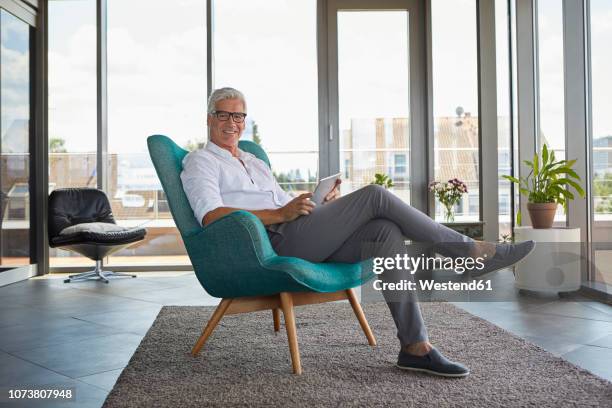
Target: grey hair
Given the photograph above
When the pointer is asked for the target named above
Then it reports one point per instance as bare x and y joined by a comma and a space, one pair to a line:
224, 93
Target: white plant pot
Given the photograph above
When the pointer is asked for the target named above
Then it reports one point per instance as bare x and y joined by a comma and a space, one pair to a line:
554, 265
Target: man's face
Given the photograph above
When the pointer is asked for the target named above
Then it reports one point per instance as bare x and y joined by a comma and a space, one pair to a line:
226, 133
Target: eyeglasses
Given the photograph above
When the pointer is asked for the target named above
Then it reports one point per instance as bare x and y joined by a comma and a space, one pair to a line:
237, 117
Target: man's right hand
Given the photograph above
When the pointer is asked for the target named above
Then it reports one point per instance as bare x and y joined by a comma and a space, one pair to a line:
301, 205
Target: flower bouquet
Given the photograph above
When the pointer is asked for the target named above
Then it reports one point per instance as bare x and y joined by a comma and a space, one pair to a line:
448, 194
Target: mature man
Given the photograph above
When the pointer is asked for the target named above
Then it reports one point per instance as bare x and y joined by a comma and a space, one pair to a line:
221, 178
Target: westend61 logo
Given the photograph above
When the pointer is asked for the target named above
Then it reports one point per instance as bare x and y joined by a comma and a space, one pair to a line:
422, 262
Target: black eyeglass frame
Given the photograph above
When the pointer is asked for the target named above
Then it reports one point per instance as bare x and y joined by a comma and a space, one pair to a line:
232, 115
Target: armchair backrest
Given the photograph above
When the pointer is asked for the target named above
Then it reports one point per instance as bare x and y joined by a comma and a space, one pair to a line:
70, 206
167, 159
255, 150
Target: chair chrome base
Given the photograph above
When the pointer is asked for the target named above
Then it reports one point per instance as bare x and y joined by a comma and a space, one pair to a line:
97, 274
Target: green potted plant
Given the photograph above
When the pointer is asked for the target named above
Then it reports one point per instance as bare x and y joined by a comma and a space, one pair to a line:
546, 186
382, 179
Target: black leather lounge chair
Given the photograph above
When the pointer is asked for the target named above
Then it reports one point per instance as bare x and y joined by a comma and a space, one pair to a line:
81, 220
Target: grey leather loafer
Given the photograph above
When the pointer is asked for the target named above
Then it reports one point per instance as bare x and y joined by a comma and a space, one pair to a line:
432, 363
506, 255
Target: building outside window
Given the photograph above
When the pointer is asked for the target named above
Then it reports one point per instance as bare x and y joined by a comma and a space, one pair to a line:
399, 169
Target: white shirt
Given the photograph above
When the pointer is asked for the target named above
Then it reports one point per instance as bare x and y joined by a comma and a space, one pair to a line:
213, 178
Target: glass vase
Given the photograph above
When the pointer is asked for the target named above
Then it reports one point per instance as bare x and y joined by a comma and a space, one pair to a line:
449, 213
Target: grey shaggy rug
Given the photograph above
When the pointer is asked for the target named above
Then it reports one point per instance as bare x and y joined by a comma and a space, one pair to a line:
244, 363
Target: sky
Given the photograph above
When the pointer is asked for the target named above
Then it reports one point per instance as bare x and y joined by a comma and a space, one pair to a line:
455, 80
72, 74
14, 70
267, 48
373, 66
550, 49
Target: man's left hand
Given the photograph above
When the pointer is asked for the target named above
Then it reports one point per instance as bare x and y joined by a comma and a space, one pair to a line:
334, 193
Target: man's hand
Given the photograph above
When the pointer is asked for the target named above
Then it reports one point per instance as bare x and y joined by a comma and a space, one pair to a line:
334, 193
301, 205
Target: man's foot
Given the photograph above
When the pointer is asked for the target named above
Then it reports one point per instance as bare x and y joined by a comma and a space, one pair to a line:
506, 255
432, 363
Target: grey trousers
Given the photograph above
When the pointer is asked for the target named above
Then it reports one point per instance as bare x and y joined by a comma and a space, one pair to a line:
339, 231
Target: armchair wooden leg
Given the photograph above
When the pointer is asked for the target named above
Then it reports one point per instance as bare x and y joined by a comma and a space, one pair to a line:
210, 326
287, 304
276, 317
360, 316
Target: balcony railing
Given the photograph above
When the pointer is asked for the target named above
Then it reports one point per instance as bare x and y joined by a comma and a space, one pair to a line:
138, 200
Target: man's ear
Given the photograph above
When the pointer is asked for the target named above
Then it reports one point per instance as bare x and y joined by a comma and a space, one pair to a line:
208, 119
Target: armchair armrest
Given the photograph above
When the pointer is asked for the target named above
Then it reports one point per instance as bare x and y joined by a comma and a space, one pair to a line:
233, 257
229, 257
237, 229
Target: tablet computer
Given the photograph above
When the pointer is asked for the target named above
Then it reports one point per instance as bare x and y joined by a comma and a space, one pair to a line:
324, 187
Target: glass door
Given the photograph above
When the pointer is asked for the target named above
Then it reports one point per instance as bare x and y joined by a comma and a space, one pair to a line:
15, 128
376, 57
600, 35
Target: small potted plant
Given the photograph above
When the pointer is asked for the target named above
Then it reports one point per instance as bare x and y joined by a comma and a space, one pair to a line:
382, 180
448, 194
546, 186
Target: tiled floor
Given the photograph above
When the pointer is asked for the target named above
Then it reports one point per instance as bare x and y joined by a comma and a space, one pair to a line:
81, 335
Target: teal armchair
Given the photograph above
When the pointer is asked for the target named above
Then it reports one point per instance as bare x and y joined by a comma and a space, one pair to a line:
234, 260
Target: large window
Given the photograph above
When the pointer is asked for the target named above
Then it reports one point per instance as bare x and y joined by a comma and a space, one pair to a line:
156, 85
373, 97
550, 81
455, 99
516, 163
601, 103
267, 49
504, 124
14, 141
72, 104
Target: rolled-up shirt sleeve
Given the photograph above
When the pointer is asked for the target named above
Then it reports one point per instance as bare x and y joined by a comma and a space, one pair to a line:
200, 179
